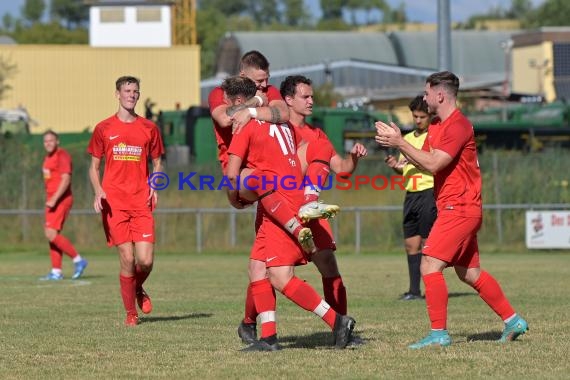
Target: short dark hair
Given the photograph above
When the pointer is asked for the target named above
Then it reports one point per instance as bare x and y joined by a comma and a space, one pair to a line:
126, 79
239, 86
418, 104
51, 132
446, 79
289, 85
253, 60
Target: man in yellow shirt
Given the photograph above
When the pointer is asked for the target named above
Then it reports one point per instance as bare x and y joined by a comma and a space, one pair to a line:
419, 205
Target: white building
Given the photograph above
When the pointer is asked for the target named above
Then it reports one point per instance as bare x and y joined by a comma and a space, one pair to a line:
130, 23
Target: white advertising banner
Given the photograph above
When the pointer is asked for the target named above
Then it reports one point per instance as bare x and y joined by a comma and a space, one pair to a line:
548, 229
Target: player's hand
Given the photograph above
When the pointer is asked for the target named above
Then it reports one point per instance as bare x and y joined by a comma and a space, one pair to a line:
391, 161
387, 135
50, 203
234, 199
358, 150
97, 203
239, 120
152, 199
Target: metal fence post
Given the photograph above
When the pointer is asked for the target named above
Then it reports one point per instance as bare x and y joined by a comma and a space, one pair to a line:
357, 230
232, 228
199, 231
496, 188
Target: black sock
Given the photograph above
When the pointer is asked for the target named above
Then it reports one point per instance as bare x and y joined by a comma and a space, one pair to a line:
414, 262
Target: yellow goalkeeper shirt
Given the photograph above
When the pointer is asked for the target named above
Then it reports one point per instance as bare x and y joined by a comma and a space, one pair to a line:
423, 180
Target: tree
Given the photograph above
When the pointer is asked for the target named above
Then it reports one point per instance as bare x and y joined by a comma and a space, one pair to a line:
295, 13
234, 7
53, 33
73, 12
550, 13
7, 71
33, 10
332, 9
8, 22
519, 9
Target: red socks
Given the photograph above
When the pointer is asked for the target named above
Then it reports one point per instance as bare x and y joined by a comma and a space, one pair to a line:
306, 297
335, 294
436, 299
64, 245
56, 256
263, 295
250, 310
128, 289
490, 291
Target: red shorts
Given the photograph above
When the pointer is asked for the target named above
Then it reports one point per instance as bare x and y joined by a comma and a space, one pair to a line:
274, 246
453, 239
322, 234
55, 217
122, 226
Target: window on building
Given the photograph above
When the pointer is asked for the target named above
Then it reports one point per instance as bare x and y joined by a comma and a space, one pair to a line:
114, 14
148, 14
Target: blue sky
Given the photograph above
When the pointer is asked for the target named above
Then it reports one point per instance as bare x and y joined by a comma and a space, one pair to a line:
417, 10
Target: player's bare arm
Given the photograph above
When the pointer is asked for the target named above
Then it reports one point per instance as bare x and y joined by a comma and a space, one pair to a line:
153, 196
256, 101
276, 112
61, 188
390, 136
96, 183
233, 170
348, 164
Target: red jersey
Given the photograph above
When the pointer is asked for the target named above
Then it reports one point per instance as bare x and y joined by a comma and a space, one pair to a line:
310, 134
457, 187
56, 164
126, 148
224, 135
272, 149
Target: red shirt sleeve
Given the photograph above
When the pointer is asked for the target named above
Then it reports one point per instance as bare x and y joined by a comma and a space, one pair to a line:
454, 139
216, 98
273, 94
96, 146
156, 145
240, 142
64, 162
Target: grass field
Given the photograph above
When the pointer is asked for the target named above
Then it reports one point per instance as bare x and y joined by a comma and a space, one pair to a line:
73, 329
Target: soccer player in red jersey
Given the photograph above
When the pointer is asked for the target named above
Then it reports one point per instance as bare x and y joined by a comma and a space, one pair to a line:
297, 91
228, 118
124, 198
266, 105
318, 155
450, 153
272, 149
59, 200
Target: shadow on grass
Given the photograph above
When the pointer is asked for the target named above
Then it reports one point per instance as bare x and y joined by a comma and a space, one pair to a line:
485, 336
461, 294
316, 340
175, 317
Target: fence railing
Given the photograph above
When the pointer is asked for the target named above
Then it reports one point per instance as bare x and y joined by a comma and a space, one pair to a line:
352, 227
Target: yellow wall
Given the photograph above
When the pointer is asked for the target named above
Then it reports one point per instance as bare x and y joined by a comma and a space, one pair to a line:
527, 79
71, 88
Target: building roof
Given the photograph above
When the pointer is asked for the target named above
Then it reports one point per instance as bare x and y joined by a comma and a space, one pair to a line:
472, 52
292, 49
6, 40
372, 64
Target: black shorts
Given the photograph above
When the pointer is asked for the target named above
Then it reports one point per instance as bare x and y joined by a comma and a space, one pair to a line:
419, 213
